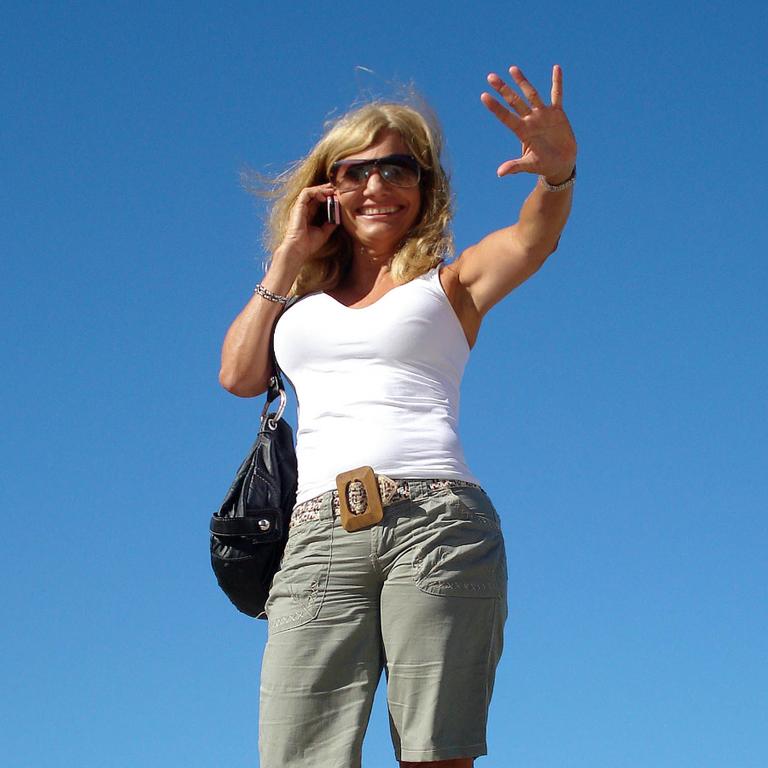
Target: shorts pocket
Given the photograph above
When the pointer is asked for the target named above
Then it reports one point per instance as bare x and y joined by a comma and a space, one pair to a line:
299, 587
461, 550
475, 502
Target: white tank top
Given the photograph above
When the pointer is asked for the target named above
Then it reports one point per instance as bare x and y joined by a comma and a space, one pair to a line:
376, 386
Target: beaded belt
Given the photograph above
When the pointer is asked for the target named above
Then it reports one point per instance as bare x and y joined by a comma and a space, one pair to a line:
391, 491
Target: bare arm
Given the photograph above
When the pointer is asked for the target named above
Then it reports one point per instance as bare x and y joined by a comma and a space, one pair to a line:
504, 259
245, 362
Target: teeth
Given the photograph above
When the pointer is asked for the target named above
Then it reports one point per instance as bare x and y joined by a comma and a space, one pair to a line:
370, 211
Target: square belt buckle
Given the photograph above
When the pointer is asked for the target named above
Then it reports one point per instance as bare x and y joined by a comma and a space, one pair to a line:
373, 511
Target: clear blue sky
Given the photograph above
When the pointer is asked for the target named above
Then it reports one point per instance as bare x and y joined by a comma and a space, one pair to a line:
614, 407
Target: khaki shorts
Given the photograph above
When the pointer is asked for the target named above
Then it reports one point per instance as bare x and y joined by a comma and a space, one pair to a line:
421, 595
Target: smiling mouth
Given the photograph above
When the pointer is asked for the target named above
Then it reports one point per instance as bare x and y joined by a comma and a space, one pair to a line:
379, 210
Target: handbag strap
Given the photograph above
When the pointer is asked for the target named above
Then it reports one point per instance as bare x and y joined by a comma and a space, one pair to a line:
276, 383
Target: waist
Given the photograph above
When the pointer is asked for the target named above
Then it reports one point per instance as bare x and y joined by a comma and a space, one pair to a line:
392, 491
394, 449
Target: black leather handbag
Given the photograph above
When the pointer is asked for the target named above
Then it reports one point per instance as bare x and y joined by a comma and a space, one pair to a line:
249, 531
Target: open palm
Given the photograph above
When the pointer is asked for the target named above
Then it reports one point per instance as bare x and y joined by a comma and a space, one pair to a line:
548, 143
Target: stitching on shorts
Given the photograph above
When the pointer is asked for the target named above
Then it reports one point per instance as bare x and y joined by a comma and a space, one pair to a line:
276, 623
474, 586
473, 514
418, 562
304, 609
444, 747
312, 598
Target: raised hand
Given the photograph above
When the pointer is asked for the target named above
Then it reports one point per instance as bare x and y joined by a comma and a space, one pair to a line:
548, 143
304, 236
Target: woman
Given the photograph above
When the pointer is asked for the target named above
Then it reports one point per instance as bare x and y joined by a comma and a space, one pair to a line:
406, 571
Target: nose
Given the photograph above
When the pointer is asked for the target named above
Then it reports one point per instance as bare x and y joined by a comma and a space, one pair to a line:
374, 182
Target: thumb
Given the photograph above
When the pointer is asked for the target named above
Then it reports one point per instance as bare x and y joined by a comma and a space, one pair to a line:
513, 166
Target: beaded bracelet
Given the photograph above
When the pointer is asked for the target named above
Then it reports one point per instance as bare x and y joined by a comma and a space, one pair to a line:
569, 182
269, 296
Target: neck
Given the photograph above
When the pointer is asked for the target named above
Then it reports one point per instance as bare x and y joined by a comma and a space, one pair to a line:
368, 267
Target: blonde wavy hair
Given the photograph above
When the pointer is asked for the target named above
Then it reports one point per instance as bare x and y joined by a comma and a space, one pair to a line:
427, 244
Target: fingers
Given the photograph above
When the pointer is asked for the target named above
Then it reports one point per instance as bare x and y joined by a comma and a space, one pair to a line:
308, 203
557, 86
319, 194
311, 197
538, 125
530, 92
512, 122
514, 101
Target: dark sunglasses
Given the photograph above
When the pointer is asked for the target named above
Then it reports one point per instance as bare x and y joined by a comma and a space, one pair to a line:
398, 170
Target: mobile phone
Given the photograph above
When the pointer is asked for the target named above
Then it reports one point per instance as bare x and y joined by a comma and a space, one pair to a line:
333, 211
